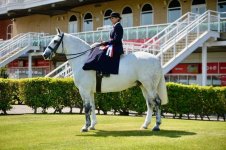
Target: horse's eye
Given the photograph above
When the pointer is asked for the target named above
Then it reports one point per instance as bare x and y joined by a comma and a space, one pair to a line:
55, 41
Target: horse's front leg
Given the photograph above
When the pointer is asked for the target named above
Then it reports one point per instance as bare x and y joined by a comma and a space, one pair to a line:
87, 108
86, 97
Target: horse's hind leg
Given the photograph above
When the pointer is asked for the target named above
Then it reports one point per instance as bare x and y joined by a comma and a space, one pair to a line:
93, 114
157, 102
149, 108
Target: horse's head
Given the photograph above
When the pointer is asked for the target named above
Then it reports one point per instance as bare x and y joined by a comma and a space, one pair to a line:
53, 45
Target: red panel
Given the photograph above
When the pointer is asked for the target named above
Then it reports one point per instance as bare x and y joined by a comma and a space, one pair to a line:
186, 68
13, 63
26, 63
222, 67
42, 63
212, 68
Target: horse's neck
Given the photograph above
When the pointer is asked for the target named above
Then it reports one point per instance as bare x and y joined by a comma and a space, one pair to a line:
75, 45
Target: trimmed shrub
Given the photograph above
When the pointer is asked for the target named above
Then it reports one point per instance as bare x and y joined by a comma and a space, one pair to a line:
8, 88
60, 93
35, 93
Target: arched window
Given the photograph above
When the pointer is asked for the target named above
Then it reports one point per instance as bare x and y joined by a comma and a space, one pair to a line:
174, 10
222, 7
73, 24
198, 6
127, 17
88, 22
147, 15
73, 18
107, 20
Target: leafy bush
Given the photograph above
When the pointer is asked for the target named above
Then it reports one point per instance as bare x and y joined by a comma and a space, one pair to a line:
60, 93
8, 88
35, 93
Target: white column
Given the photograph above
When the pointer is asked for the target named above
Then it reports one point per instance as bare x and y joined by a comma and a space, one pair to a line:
204, 64
29, 65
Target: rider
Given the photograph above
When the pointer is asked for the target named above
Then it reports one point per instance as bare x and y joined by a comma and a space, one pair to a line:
106, 61
116, 35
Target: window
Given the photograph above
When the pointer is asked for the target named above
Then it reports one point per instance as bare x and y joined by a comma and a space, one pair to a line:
107, 20
216, 80
222, 7
192, 79
127, 17
88, 22
198, 6
174, 11
146, 15
183, 79
72, 25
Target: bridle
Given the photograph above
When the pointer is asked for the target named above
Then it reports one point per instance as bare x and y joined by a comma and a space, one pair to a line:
54, 49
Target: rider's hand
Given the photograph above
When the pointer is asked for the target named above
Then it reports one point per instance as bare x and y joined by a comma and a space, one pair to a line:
103, 43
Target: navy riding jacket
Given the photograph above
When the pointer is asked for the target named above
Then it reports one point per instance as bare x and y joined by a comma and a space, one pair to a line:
116, 36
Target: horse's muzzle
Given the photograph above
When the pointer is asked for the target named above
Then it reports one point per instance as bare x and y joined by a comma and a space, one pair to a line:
46, 54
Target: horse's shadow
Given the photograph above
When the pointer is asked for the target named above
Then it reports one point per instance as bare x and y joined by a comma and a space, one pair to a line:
163, 133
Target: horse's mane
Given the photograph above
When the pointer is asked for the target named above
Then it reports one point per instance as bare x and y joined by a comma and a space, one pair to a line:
77, 38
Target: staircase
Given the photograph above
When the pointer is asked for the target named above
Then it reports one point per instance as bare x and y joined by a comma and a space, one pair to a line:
61, 71
179, 46
175, 42
19, 45
154, 44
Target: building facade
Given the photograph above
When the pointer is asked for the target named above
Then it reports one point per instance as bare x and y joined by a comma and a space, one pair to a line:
84, 16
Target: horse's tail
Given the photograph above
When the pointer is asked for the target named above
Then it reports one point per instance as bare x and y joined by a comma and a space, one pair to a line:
162, 92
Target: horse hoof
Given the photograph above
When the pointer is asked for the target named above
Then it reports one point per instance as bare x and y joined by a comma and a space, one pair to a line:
143, 128
84, 130
156, 129
92, 128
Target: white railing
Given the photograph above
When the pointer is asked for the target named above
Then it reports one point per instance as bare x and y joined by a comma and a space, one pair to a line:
19, 45
163, 36
139, 32
173, 28
5, 42
23, 72
28, 39
64, 70
209, 21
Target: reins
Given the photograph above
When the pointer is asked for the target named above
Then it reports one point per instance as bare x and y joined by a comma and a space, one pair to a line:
61, 41
77, 54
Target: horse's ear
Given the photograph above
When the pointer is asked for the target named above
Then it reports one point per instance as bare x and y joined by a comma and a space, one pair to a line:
58, 30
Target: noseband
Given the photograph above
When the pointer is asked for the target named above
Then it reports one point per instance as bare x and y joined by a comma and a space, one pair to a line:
61, 41
57, 44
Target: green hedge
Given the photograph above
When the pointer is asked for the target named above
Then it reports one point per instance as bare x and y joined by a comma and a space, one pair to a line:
8, 88
197, 100
47, 92
59, 93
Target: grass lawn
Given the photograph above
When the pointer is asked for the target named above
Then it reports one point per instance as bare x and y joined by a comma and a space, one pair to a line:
112, 133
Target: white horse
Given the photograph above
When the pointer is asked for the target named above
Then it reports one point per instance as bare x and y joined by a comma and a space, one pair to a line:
137, 67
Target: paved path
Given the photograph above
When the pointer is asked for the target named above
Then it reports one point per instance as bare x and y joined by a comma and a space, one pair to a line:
24, 109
